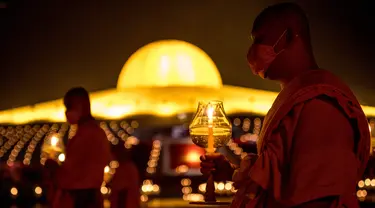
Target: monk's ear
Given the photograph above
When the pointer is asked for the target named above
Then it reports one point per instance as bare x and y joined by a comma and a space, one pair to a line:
289, 36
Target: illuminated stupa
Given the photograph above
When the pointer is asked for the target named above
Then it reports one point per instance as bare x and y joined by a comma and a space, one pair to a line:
163, 78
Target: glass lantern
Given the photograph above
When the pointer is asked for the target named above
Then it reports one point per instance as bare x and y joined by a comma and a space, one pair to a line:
53, 146
210, 128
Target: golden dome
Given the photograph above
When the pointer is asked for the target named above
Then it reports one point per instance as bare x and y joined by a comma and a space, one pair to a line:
163, 78
169, 63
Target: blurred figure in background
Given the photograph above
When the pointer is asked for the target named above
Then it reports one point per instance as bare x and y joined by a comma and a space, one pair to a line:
78, 180
125, 182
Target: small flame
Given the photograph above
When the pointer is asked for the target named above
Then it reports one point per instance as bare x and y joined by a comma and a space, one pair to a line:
106, 169
210, 113
54, 141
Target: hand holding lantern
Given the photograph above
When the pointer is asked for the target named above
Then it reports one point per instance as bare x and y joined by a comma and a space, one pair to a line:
53, 146
210, 129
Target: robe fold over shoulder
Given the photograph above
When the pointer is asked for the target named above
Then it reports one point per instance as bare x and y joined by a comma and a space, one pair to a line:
314, 143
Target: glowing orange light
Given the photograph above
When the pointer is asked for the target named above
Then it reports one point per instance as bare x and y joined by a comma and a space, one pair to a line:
193, 157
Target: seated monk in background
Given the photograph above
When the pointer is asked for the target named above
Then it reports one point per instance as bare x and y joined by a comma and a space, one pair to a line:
125, 182
79, 178
314, 144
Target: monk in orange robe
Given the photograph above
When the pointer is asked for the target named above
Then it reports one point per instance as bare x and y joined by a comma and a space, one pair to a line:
314, 144
78, 180
125, 183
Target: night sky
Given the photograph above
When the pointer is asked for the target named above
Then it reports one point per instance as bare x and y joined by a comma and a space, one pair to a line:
48, 46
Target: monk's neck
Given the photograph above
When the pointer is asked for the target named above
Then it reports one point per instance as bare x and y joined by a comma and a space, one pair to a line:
298, 63
85, 119
296, 73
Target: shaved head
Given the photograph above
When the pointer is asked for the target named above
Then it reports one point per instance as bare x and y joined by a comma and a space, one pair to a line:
77, 96
77, 104
275, 19
281, 46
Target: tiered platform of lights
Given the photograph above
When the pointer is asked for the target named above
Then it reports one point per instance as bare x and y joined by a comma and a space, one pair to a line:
159, 87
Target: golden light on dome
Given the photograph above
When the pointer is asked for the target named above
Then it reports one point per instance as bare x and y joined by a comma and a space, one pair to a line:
169, 63
164, 78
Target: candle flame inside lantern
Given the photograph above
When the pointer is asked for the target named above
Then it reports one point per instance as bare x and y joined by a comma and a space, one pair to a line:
210, 139
210, 114
54, 141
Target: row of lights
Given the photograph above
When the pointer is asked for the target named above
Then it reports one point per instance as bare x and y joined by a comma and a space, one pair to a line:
148, 188
21, 135
124, 126
220, 188
109, 171
123, 131
361, 195
193, 197
13, 135
154, 157
37, 190
187, 194
366, 183
29, 132
247, 123
186, 189
34, 142
12, 130
111, 138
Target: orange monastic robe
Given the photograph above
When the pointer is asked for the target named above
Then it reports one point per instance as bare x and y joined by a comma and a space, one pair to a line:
314, 144
87, 153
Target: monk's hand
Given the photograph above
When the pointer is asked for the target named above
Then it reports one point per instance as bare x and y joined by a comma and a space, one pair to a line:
218, 165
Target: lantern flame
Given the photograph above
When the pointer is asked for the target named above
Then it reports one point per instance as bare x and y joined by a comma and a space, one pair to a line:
54, 141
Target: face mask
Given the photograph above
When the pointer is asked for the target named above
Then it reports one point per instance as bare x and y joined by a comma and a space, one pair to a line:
261, 56
72, 117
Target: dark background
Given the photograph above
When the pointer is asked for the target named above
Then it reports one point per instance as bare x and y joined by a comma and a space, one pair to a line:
48, 46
